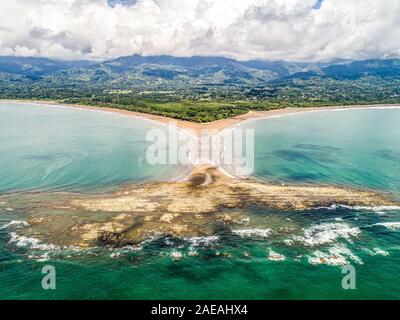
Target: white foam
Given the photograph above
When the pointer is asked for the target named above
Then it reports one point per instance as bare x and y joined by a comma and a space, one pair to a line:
192, 252
176, 255
326, 233
288, 242
243, 221
389, 225
202, 241
117, 252
320, 257
15, 223
377, 209
44, 257
337, 255
376, 252
169, 242
32, 243
133, 248
274, 256
115, 255
380, 252
262, 233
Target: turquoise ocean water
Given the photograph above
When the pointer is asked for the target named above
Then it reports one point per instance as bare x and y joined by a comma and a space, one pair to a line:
269, 255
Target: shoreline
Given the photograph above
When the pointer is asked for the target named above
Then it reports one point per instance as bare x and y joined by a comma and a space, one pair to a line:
195, 128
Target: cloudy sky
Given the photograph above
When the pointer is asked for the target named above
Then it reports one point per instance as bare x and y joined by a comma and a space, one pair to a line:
296, 30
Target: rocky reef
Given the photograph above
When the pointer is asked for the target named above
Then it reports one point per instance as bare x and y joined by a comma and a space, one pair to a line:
187, 208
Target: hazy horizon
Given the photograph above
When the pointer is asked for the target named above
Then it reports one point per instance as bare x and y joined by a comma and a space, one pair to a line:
330, 61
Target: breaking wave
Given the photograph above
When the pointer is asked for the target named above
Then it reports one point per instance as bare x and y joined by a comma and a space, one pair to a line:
30, 243
274, 256
326, 233
377, 209
338, 255
14, 223
202, 241
389, 225
262, 233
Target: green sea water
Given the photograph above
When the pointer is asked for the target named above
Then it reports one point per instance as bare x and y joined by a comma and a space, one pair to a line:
56, 148
360, 148
269, 255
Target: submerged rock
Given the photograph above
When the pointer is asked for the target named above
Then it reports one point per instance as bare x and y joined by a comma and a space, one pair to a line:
183, 209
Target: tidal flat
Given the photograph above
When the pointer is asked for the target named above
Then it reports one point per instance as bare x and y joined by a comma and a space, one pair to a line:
191, 208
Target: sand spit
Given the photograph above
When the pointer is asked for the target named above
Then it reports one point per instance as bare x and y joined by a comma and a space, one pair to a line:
215, 126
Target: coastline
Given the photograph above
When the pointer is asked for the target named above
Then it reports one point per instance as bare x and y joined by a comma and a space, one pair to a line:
187, 207
195, 128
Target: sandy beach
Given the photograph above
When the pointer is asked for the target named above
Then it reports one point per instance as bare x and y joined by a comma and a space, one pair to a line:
199, 128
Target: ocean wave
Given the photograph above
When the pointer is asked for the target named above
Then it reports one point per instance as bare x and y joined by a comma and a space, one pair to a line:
338, 255
55, 166
262, 233
288, 242
40, 258
15, 223
376, 252
31, 243
115, 255
377, 209
274, 256
327, 233
176, 255
202, 241
389, 225
117, 252
192, 252
242, 221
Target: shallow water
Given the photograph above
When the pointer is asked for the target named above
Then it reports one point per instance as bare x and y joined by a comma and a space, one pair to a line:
306, 250
359, 148
64, 149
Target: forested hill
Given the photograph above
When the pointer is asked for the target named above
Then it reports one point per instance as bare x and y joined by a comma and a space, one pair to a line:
200, 88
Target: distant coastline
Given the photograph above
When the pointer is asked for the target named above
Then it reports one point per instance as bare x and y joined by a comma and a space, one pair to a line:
196, 127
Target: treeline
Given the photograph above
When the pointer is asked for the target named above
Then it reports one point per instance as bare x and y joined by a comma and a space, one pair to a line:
205, 104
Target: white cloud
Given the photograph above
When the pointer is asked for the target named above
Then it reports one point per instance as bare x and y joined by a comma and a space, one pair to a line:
242, 29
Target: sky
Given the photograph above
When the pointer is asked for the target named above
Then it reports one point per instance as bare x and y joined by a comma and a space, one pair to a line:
291, 30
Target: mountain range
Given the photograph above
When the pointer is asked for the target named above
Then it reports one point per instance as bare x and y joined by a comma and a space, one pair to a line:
175, 86
153, 71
